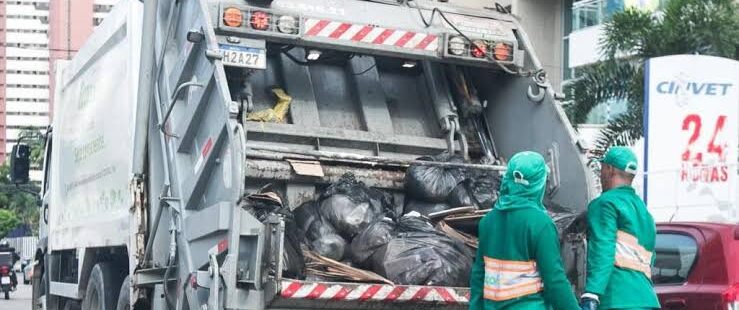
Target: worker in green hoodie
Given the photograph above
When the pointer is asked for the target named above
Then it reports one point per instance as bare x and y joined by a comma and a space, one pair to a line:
621, 236
518, 264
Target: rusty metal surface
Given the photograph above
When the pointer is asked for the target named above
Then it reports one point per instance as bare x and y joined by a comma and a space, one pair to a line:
282, 171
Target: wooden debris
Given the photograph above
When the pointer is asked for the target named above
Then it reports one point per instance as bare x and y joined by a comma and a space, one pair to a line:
469, 240
325, 267
450, 212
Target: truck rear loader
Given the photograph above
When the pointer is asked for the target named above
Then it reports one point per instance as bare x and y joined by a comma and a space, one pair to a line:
167, 117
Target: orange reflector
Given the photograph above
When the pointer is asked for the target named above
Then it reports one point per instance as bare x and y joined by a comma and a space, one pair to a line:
260, 20
503, 51
479, 49
232, 17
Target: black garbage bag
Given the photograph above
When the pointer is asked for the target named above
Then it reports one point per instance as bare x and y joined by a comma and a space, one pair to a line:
413, 222
330, 245
420, 255
433, 183
424, 208
460, 197
350, 206
370, 240
318, 233
483, 187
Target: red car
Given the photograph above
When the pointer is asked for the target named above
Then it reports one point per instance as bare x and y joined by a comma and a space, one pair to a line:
697, 266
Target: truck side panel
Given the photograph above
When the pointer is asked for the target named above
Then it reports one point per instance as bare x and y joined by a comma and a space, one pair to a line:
92, 148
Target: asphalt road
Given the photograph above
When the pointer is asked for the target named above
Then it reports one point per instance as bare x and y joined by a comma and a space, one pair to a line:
19, 300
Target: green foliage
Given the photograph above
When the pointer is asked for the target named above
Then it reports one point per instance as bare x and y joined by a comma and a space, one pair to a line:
36, 140
15, 200
8, 221
705, 27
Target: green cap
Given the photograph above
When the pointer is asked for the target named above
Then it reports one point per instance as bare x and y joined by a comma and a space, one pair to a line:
621, 158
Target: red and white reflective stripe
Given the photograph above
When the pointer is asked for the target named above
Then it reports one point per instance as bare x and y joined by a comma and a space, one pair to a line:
372, 292
322, 28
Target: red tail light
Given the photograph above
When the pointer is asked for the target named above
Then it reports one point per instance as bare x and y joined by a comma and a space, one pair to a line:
479, 49
4, 270
731, 297
259, 20
731, 294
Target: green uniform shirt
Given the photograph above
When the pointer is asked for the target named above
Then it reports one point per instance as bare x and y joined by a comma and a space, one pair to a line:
521, 233
617, 217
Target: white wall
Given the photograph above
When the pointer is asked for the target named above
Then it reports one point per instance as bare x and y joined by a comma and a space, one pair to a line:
542, 21
584, 46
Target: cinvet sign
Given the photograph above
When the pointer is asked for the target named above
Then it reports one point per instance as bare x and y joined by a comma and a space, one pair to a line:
691, 113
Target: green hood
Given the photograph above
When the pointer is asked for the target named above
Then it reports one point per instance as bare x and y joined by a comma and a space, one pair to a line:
524, 182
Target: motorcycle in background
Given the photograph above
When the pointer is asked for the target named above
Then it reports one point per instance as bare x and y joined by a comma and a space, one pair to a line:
6, 268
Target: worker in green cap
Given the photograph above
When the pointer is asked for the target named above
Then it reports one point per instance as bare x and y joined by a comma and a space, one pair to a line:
621, 235
518, 264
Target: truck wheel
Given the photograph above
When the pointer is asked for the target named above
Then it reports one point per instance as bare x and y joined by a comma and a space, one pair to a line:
103, 287
124, 298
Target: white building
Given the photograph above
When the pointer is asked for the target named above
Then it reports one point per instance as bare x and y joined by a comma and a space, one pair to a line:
26, 69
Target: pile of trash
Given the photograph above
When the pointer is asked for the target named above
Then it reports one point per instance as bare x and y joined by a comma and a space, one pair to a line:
431, 188
352, 232
356, 225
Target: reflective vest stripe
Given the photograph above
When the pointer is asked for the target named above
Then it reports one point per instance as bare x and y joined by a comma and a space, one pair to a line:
502, 295
631, 255
506, 280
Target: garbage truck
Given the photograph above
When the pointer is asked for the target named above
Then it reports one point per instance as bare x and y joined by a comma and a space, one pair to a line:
173, 111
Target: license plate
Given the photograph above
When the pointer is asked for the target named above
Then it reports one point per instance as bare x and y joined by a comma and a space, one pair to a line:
5, 280
242, 56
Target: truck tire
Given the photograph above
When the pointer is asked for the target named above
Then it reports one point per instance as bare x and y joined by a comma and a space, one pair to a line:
124, 297
103, 287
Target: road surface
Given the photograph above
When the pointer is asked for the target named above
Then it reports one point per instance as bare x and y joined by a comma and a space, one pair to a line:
19, 300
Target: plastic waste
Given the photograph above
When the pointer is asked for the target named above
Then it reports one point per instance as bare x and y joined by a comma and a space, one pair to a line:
370, 240
350, 206
421, 255
424, 208
460, 197
433, 183
318, 233
275, 114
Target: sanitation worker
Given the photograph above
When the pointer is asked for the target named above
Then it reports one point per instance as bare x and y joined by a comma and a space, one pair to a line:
621, 235
518, 264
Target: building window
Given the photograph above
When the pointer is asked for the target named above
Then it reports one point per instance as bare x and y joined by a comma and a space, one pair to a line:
26, 45
33, 72
28, 58
588, 13
102, 8
23, 17
27, 99
26, 31
10, 113
31, 86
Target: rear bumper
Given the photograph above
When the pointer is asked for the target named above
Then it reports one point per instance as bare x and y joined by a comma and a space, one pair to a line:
327, 295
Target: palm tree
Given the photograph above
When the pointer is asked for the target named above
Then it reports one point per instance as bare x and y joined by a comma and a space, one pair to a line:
706, 27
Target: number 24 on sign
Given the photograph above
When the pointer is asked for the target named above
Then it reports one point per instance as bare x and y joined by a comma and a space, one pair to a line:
693, 155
